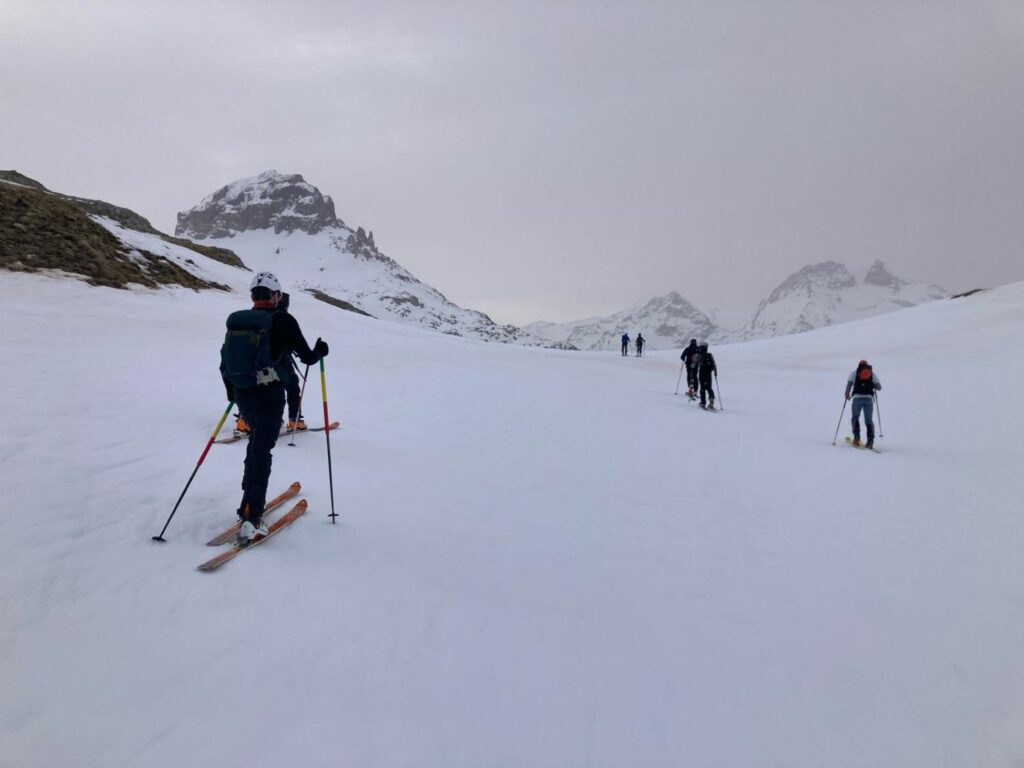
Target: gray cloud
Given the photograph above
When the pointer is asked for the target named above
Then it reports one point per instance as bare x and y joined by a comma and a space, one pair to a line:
554, 159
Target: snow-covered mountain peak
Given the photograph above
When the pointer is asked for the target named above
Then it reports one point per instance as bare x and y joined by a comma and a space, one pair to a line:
281, 222
879, 275
828, 292
826, 275
271, 200
673, 305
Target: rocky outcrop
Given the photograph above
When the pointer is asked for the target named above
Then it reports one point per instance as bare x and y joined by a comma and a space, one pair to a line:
879, 275
272, 200
42, 231
125, 217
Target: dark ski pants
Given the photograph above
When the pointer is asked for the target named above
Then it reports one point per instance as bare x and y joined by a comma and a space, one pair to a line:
691, 378
625, 349
706, 389
639, 351
293, 390
262, 408
865, 404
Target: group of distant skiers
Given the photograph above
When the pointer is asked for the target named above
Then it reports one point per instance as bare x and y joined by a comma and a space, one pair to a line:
700, 367
861, 386
640, 341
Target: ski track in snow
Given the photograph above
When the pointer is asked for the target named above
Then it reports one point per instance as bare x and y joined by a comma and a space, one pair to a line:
542, 557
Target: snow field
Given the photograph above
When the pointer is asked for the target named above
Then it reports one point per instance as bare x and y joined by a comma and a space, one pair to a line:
543, 558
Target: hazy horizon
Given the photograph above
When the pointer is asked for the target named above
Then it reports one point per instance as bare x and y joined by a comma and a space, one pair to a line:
554, 161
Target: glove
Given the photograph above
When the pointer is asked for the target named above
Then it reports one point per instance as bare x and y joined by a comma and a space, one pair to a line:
320, 349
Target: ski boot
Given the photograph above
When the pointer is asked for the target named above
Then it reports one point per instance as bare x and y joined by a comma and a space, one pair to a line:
242, 427
296, 424
249, 532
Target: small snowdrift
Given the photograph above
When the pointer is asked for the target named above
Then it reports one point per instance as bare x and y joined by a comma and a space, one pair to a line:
543, 557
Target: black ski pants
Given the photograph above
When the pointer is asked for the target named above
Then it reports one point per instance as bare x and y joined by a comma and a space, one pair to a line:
262, 407
294, 391
691, 378
706, 389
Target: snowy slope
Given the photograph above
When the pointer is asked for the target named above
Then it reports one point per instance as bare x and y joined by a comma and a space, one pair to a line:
282, 223
203, 267
543, 557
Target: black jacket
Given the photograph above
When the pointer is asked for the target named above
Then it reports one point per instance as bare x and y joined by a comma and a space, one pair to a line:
688, 354
285, 339
707, 366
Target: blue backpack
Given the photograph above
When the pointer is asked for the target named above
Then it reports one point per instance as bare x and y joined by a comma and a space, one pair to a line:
245, 355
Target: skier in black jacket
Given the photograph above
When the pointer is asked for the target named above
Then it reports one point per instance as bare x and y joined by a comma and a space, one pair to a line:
262, 405
688, 358
705, 369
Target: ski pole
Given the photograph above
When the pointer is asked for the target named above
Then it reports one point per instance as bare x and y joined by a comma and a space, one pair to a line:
327, 433
720, 406
680, 379
206, 450
879, 409
298, 412
841, 414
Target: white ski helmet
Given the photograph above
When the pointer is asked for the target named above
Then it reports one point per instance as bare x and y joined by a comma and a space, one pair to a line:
265, 280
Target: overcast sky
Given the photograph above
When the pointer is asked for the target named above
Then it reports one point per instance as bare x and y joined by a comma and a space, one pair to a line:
554, 160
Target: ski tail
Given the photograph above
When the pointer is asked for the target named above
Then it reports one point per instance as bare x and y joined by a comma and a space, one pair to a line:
274, 528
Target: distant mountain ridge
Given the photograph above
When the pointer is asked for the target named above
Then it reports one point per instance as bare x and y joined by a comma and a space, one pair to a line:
281, 222
812, 297
828, 293
665, 321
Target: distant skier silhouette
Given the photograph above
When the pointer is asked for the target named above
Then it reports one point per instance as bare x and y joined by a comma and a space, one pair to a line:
640, 345
705, 369
689, 358
625, 344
